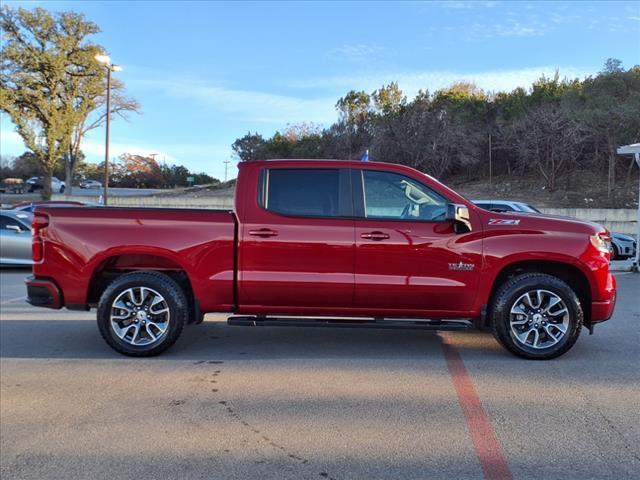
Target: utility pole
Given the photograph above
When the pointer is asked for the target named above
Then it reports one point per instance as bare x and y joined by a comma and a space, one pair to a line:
490, 173
226, 162
106, 61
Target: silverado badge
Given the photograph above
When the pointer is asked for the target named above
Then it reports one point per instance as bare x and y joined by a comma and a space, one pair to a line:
462, 267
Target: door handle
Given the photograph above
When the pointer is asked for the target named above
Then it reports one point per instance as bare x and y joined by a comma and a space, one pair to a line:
377, 236
263, 233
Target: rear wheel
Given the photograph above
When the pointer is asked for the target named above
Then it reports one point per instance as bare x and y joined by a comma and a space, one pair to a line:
536, 316
142, 313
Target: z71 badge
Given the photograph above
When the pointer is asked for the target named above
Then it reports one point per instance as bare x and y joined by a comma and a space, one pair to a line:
503, 221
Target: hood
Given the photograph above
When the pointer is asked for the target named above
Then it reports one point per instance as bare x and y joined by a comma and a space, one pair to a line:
623, 236
540, 221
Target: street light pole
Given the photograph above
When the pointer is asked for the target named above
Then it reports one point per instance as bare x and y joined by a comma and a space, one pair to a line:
105, 193
106, 61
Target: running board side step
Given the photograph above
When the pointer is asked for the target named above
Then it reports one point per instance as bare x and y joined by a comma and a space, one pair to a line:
249, 321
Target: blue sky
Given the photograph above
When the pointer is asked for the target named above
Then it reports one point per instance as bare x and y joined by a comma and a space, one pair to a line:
206, 73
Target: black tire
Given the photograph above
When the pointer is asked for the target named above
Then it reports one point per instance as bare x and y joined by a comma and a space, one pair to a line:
506, 297
615, 254
174, 297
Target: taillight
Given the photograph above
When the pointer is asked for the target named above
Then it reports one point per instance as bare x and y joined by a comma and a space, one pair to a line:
602, 242
39, 222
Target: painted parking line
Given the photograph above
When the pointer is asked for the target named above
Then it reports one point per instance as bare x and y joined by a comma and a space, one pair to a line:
13, 300
492, 459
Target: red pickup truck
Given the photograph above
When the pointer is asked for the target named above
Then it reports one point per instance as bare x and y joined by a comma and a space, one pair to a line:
326, 243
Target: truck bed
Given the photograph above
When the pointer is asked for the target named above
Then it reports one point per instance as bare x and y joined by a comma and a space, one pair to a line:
84, 245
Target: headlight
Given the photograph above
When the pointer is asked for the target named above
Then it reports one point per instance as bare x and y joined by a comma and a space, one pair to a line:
602, 242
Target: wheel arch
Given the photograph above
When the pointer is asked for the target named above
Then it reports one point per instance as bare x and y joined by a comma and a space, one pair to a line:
116, 264
568, 273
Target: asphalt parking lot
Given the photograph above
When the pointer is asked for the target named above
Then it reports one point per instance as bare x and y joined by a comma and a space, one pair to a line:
285, 403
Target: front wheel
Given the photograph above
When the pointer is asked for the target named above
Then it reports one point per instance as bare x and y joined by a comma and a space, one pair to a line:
142, 314
536, 316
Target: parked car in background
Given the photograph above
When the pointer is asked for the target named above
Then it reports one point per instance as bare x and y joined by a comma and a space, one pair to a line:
12, 185
31, 206
505, 206
15, 238
90, 184
623, 246
35, 183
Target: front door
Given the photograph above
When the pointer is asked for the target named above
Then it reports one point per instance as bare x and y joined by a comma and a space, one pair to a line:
409, 259
297, 250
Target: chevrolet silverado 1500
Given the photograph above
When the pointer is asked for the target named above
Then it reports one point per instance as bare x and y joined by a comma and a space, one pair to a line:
320, 242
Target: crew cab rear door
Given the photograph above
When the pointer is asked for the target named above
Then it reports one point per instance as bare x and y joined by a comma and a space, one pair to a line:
297, 241
409, 259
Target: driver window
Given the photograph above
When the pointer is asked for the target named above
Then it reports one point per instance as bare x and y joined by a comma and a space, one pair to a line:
396, 197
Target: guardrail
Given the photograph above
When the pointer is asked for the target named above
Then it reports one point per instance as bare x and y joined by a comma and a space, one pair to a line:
212, 202
621, 220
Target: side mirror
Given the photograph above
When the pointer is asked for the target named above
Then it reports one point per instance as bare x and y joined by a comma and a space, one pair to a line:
459, 214
14, 228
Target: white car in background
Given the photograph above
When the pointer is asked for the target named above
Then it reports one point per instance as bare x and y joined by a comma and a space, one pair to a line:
90, 184
36, 183
505, 206
623, 246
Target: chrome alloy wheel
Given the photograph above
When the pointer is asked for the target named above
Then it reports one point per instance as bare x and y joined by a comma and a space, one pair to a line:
140, 316
539, 319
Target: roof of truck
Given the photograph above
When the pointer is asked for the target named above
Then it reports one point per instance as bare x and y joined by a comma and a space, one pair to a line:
316, 160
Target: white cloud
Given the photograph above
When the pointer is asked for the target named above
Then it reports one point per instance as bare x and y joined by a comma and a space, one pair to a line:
411, 82
249, 105
12, 144
466, 5
355, 53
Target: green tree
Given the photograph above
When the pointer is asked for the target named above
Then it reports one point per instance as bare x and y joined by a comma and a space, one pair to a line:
250, 147
44, 55
550, 131
140, 172
608, 106
355, 109
26, 165
388, 100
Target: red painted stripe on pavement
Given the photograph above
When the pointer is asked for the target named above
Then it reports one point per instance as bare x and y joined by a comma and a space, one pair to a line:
492, 459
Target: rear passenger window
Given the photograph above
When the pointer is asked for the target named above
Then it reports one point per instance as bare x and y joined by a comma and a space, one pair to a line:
302, 192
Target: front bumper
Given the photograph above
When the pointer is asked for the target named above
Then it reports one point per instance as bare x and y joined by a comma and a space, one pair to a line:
626, 249
602, 309
43, 293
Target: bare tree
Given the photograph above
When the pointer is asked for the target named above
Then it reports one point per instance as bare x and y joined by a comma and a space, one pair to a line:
547, 139
121, 105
